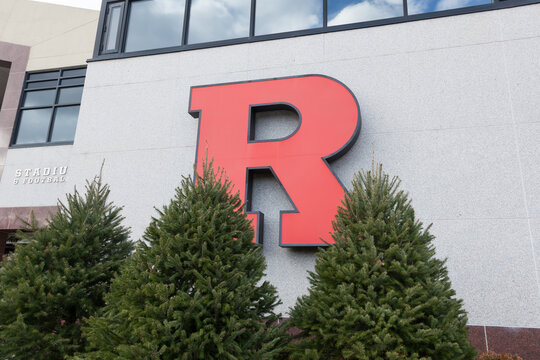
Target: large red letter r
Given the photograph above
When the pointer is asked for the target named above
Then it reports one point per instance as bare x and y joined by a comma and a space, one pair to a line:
329, 125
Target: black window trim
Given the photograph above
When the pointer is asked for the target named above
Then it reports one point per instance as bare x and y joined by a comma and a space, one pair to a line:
107, 24
53, 106
98, 55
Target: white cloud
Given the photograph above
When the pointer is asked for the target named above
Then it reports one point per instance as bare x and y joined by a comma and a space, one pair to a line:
85, 4
368, 10
274, 16
218, 19
452, 4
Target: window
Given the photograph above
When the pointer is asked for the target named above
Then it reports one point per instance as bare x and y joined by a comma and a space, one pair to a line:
111, 28
419, 7
347, 12
214, 20
4, 74
154, 24
49, 107
142, 27
276, 16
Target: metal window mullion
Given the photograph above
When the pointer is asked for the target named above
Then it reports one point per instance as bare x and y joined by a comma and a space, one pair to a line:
53, 112
105, 29
252, 18
40, 89
117, 41
185, 25
405, 9
51, 123
67, 105
325, 13
123, 27
35, 107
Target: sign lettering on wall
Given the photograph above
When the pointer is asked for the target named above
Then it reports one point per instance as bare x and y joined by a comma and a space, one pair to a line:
329, 125
41, 175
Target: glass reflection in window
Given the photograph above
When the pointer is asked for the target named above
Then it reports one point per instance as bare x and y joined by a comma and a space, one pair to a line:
43, 75
113, 26
154, 24
352, 11
65, 123
71, 95
39, 98
275, 16
213, 20
34, 126
424, 6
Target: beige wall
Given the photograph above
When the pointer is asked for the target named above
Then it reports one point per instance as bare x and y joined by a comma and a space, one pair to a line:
58, 36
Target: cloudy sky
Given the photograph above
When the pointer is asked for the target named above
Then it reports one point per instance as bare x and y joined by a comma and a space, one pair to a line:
285, 15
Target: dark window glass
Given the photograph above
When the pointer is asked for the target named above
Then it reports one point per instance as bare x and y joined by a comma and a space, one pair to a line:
4, 74
41, 84
351, 11
275, 16
154, 24
39, 98
74, 72
70, 95
65, 123
43, 75
34, 126
419, 7
113, 26
74, 81
214, 20
44, 116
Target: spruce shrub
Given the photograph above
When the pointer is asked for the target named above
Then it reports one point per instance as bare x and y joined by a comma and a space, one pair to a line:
379, 292
193, 288
59, 277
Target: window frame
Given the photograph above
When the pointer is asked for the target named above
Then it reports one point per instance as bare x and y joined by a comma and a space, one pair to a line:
107, 25
325, 28
54, 106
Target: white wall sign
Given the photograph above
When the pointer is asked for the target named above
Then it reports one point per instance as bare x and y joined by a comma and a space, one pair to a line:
45, 175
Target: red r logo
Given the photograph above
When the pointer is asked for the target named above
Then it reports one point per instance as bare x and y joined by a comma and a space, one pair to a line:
329, 126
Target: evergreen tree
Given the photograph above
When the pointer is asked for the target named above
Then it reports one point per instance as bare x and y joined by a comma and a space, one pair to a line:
59, 277
193, 289
379, 292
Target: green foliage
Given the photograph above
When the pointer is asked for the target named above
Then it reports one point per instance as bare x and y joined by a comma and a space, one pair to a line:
56, 280
379, 292
193, 289
490, 355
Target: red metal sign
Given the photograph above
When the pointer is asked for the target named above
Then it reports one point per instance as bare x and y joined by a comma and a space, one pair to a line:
329, 125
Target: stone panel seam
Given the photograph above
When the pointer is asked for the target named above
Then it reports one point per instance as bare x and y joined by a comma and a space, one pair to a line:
65, 32
136, 150
518, 152
425, 220
485, 338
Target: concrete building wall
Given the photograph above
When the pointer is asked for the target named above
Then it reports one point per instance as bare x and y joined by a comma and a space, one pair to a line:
59, 36
37, 36
449, 105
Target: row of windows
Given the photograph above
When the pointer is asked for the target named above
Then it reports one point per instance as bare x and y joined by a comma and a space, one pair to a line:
49, 107
138, 25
